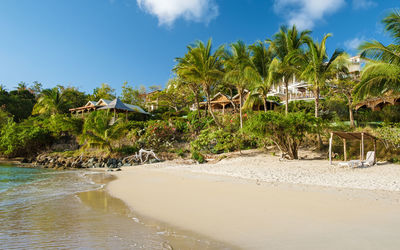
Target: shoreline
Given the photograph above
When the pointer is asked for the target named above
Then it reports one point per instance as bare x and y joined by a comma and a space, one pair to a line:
253, 213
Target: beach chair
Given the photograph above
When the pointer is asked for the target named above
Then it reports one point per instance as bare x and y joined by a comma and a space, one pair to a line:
369, 161
351, 164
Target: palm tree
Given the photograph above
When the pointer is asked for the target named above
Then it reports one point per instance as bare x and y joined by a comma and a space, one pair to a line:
22, 86
97, 131
318, 69
240, 71
261, 59
52, 101
284, 45
380, 75
202, 66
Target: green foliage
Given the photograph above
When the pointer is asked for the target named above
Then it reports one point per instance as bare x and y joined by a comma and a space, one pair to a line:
380, 75
215, 141
19, 103
62, 124
59, 100
287, 132
104, 92
25, 138
198, 157
158, 135
390, 133
132, 95
97, 131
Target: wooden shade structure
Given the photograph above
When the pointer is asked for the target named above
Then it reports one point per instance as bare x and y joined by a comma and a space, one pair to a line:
361, 136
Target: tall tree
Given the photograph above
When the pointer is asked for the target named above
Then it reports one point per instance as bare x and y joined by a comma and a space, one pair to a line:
103, 92
318, 68
261, 59
52, 101
240, 71
132, 95
380, 75
203, 66
284, 44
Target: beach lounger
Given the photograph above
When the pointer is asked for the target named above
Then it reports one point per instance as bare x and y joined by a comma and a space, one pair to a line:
369, 161
351, 164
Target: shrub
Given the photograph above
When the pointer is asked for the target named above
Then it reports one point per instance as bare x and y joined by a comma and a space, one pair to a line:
25, 138
198, 157
215, 141
287, 132
158, 135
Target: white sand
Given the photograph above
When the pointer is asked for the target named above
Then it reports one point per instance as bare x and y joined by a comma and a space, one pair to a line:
250, 213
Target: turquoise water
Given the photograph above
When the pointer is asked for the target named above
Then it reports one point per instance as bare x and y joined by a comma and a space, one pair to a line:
42, 208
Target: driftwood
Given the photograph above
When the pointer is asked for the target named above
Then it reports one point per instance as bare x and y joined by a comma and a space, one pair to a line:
141, 157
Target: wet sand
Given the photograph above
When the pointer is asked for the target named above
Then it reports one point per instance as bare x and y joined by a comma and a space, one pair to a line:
262, 215
169, 237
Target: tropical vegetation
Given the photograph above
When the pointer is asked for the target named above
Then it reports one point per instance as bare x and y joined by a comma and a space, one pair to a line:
183, 122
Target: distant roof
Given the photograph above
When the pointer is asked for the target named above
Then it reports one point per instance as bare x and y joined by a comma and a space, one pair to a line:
104, 100
119, 105
136, 108
91, 103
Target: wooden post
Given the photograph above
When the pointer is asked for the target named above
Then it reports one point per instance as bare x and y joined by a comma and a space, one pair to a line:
223, 109
330, 149
114, 113
344, 149
362, 146
374, 151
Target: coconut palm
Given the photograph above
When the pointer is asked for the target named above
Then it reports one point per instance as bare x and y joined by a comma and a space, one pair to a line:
381, 73
261, 59
203, 66
97, 131
240, 71
284, 44
52, 101
318, 68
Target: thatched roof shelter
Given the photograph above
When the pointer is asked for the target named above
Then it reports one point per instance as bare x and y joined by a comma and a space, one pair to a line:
360, 136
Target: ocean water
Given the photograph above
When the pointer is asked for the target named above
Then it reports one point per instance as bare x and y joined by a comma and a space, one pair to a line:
42, 208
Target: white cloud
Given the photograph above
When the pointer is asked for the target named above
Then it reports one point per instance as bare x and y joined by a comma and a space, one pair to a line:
353, 44
167, 11
304, 13
363, 4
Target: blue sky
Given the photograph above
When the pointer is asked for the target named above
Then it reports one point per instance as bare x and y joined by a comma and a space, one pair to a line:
84, 43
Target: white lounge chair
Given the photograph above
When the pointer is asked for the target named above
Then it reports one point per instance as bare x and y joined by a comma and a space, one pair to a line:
369, 161
351, 164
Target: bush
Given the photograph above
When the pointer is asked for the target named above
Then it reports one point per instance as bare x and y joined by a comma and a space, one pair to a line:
287, 132
25, 138
158, 135
198, 157
215, 141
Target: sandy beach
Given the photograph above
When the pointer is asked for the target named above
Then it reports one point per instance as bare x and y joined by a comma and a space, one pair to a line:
257, 202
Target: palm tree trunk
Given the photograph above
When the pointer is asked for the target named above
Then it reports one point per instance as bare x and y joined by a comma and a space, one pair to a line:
287, 97
265, 104
240, 111
316, 93
352, 125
